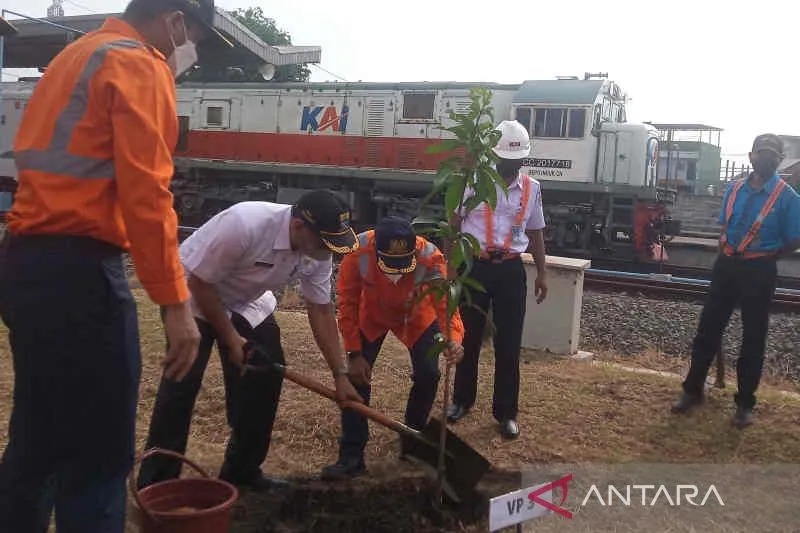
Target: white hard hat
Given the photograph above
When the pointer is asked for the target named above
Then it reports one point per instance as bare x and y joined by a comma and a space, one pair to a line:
514, 141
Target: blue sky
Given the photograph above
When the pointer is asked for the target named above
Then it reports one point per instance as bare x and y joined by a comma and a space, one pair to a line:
690, 61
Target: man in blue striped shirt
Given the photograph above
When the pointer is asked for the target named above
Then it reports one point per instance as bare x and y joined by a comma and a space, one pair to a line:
760, 220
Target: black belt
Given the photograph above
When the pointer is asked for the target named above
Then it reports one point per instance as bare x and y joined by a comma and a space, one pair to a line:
498, 256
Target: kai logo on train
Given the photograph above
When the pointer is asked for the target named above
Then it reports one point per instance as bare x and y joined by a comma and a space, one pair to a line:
321, 118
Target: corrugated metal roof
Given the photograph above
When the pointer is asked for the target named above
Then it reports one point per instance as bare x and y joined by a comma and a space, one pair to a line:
36, 42
558, 92
277, 55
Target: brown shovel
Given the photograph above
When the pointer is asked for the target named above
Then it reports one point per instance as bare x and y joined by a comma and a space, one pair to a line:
464, 466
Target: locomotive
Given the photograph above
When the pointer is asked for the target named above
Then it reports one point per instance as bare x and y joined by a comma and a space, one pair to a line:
368, 141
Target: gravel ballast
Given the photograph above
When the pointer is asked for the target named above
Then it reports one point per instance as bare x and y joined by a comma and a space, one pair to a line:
630, 325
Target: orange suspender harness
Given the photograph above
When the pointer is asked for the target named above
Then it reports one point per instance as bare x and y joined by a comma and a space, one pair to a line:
727, 249
488, 217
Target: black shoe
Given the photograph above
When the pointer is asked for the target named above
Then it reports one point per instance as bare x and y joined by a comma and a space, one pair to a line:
686, 402
259, 483
456, 412
743, 417
343, 469
509, 429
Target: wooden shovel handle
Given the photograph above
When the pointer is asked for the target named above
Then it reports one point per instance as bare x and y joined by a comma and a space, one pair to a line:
319, 388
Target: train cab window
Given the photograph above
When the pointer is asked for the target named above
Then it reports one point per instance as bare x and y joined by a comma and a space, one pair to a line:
524, 117
183, 133
418, 106
577, 123
550, 122
559, 122
214, 116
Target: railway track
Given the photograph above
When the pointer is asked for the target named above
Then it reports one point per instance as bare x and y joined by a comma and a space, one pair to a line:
683, 271
784, 300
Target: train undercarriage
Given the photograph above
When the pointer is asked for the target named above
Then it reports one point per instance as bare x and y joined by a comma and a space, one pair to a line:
583, 220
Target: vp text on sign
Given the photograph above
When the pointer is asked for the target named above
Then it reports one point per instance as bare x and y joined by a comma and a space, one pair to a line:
527, 504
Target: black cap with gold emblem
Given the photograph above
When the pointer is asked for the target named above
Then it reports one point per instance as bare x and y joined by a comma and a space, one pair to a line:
329, 216
396, 246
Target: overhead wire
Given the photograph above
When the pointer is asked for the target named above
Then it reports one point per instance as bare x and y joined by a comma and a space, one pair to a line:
81, 7
327, 71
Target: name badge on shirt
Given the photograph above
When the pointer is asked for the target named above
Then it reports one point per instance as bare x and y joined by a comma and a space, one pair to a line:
516, 234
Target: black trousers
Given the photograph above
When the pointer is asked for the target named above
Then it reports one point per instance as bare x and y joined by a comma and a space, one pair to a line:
751, 284
505, 287
74, 339
425, 378
250, 400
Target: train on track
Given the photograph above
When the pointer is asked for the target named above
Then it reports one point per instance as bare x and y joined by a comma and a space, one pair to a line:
273, 141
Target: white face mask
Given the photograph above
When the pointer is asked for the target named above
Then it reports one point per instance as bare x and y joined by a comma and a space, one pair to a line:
183, 56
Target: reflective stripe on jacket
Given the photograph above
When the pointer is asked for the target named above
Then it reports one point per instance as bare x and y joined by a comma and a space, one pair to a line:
94, 154
369, 302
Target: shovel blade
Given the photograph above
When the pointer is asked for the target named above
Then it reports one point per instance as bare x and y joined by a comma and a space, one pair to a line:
464, 466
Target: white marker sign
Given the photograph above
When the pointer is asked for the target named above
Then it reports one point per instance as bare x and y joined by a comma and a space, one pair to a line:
515, 507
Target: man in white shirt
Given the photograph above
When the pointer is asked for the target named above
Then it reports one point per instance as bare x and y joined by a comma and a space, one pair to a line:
233, 262
514, 227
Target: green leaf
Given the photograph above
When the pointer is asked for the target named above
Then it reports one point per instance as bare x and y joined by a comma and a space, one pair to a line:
472, 202
464, 248
442, 178
435, 350
472, 283
454, 298
457, 256
454, 195
446, 145
474, 243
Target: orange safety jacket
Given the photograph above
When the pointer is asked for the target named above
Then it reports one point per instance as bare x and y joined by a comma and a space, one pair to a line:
368, 302
741, 250
94, 154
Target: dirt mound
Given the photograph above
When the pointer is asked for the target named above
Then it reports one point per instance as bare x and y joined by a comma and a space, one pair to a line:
401, 505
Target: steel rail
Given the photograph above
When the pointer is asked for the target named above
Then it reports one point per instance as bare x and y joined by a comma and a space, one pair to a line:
783, 300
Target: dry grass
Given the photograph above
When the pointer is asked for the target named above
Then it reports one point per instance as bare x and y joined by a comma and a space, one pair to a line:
654, 359
570, 411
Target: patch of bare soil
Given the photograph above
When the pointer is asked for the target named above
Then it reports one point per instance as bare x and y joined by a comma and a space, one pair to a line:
398, 504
